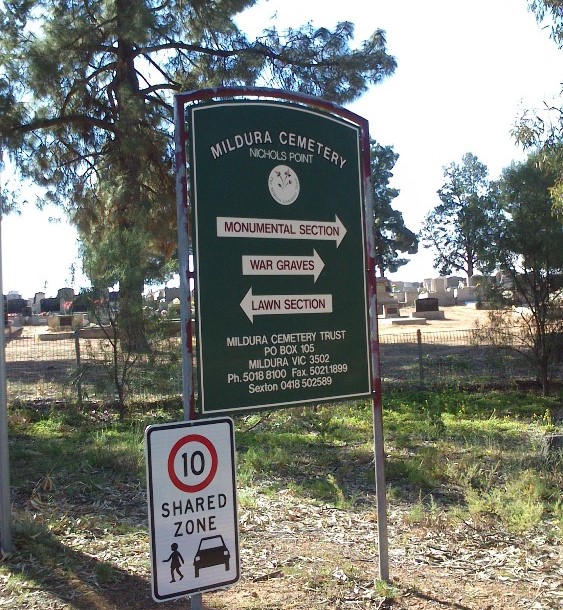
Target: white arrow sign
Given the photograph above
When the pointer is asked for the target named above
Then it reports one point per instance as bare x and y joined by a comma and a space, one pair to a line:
281, 304
269, 228
283, 265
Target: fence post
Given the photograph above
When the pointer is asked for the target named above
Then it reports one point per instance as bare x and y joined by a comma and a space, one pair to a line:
78, 366
420, 364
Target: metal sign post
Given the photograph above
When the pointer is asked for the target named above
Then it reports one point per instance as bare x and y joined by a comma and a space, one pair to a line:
186, 276
377, 405
5, 504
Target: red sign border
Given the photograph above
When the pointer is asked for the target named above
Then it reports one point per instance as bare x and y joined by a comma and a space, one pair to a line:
214, 462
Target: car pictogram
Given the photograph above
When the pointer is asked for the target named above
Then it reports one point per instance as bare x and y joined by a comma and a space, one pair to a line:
211, 552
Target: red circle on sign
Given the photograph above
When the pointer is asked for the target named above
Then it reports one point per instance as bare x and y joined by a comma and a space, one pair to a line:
190, 438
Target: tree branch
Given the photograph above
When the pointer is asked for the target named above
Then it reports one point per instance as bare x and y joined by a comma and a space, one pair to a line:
62, 120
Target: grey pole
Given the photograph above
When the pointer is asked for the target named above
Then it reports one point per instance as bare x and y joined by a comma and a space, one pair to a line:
5, 504
379, 452
184, 234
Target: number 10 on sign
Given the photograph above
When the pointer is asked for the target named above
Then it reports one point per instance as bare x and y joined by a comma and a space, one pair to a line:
198, 463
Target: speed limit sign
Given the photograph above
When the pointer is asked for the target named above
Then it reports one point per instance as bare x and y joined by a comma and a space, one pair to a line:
191, 493
197, 467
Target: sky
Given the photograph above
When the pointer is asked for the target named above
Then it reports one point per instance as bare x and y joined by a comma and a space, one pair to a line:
465, 72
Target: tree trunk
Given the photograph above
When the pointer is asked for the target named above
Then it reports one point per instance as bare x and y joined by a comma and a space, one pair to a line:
128, 206
131, 320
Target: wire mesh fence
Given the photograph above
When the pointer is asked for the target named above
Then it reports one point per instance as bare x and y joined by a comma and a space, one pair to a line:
462, 357
75, 368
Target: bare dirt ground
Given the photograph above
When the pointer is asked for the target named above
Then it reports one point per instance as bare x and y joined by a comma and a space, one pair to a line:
433, 564
297, 555
457, 317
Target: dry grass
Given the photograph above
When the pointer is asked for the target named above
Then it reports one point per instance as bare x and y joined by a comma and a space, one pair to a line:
308, 527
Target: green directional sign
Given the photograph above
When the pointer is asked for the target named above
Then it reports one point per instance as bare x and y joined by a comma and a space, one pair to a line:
281, 285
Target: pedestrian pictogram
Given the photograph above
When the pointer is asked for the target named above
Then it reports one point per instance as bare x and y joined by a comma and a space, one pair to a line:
192, 507
176, 560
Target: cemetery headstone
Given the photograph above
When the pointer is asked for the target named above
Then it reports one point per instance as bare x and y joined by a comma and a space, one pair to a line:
429, 304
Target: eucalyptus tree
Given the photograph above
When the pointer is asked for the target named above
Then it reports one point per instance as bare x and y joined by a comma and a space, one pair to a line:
457, 227
542, 129
86, 98
392, 237
552, 12
526, 245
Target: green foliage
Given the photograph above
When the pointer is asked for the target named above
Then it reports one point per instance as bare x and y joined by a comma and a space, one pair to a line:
80, 508
86, 98
525, 238
518, 504
36, 538
105, 574
386, 589
318, 61
126, 367
542, 130
424, 511
391, 234
551, 10
458, 228
449, 455
526, 244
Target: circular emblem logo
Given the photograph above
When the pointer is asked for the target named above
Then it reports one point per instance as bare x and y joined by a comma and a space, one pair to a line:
284, 184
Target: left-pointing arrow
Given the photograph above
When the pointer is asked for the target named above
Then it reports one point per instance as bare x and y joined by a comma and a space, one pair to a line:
283, 304
283, 265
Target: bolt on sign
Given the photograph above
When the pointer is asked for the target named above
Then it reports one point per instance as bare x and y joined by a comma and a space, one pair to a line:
193, 523
279, 248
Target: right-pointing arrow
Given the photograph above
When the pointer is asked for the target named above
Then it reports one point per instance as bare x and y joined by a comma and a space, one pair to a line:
269, 228
255, 264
